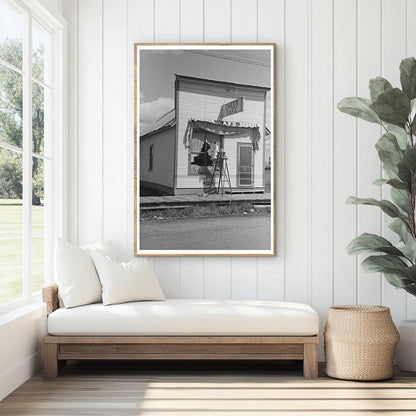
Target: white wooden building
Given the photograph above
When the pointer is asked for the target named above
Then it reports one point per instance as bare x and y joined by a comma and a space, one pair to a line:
178, 155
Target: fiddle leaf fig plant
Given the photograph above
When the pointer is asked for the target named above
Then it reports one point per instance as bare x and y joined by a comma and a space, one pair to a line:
394, 109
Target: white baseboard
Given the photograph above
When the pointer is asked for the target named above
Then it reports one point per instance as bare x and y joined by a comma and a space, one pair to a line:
11, 379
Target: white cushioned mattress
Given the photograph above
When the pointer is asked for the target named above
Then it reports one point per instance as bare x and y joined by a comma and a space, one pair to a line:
186, 317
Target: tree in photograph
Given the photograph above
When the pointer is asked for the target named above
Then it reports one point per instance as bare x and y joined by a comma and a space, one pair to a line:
394, 109
11, 116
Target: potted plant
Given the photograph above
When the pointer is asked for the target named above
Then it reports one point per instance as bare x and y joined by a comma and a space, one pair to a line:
394, 109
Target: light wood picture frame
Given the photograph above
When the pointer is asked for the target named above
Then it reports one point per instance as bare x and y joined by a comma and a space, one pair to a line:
205, 150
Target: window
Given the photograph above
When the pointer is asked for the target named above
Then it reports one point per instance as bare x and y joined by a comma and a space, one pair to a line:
200, 152
30, 148
151, 151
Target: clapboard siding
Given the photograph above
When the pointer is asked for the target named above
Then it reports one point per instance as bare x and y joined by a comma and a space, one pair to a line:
196, 100
326, 50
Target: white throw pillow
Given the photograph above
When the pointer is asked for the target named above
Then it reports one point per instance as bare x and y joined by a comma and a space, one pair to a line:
126, 282
75, 273
104, 247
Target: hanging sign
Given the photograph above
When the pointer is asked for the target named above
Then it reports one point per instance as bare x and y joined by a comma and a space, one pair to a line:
233, 107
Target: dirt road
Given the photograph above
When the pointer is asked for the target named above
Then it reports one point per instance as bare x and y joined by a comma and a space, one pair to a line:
240, 232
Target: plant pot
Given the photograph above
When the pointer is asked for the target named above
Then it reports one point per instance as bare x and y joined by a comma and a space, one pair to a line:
360, 341
406, 350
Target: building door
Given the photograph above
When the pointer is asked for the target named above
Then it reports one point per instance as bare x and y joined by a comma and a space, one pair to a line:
245, 165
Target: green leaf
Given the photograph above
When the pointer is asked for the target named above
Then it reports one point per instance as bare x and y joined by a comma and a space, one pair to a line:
380, 182
397, 280
413, 124
408, 77
401, 137
378, 86
412, 109
400, 228
409, 158
400, 198
388, 207
392, 107
411, 289
408, 249
412, 116
389, 151
396, 271
398, 184
410, 272
395, 183
359, 107
404, 173
366, 243
381, 263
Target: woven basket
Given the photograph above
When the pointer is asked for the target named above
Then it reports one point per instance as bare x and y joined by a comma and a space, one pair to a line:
360, 342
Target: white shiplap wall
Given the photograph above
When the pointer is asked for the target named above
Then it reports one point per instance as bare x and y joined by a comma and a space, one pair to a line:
326, 50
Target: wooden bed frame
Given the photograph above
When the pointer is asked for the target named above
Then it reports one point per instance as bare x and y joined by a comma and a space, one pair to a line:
58, 349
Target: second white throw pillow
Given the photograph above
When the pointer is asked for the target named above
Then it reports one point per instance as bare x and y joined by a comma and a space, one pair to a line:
126, 282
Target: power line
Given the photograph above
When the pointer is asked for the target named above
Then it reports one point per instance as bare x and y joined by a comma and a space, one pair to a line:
230, 58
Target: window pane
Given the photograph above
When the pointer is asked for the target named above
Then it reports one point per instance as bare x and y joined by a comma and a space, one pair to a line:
11, 226
38, 230
38, 118
11, 107
245, 156
11, 34
41, 46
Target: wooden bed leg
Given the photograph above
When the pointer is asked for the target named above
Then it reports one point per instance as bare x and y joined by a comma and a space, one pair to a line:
50, 360
310, 360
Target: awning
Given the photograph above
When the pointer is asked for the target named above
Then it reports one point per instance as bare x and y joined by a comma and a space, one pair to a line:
223, 128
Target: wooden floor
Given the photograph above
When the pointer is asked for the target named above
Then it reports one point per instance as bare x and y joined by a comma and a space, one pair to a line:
225, 389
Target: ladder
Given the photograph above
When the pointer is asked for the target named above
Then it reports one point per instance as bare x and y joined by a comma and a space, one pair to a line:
220, 168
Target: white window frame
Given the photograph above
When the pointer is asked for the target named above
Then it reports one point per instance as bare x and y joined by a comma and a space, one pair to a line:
58, 211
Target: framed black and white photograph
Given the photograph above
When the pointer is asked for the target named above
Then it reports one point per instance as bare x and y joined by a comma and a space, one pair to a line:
204, 149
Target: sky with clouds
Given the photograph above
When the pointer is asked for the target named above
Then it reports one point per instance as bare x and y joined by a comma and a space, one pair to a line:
158, 68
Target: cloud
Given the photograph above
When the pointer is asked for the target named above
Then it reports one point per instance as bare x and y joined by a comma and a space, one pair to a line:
153, 110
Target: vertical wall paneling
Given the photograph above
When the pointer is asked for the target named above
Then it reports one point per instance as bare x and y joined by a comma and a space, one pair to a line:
321, 150
217, 278
70, 11
244, 29
217, 29
217, 21
114, 124
296, 152
393, 51
192, 278
167, 21
140, 17
411, 51
192, 21
368, 163
271, 29
90, 129
167, 29
192, 31
345, 151
244, 21
326, 50
244, 278
168, 274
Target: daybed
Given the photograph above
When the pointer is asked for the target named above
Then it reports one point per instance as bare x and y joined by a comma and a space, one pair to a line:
181, 329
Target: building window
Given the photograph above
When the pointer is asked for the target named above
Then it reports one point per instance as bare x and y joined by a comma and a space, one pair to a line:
27, 152
200, 152
151, 153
